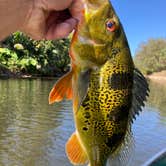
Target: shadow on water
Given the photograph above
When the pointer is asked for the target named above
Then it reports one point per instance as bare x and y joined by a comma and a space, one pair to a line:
33, 133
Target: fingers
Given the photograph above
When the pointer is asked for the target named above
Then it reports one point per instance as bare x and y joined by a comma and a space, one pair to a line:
61, 30
53, 19
77, 9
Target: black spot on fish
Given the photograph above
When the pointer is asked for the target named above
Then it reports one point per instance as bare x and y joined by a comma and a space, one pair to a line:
85, 104
85, 128
114, 52
119, 81
114, 140
86, 108
118, 113
87, 115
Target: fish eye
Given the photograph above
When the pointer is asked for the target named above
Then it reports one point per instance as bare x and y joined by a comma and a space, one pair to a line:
111, 26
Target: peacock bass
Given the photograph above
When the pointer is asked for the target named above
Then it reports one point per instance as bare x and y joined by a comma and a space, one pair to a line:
106, 89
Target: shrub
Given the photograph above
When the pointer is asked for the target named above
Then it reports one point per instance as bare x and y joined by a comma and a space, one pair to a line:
20, 53
151, 56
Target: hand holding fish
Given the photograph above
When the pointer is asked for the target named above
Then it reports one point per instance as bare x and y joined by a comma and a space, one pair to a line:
40, 19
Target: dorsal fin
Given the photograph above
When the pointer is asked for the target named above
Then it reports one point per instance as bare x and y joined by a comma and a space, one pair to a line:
63, 88
74, 150
140, 94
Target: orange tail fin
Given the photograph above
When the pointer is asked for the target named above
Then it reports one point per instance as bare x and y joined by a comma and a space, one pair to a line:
74, 151
63, 88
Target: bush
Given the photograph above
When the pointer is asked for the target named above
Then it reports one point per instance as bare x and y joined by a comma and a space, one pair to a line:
20, 53
8, 59
151, 56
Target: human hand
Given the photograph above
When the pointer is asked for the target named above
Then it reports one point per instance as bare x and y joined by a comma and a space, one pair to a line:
52, 19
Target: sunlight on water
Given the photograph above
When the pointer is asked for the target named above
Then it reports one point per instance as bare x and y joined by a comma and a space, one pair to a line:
33, 133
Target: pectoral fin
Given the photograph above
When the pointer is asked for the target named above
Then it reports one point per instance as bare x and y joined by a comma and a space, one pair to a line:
83, 85
63, 88
140, 93
74, 150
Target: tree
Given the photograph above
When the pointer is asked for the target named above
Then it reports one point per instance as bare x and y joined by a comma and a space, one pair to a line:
151, 56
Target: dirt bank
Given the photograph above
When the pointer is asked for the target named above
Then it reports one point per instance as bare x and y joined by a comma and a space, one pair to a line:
158, 77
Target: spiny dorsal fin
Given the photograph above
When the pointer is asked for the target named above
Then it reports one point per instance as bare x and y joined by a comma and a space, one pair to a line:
74, 150
140, 93
63, 88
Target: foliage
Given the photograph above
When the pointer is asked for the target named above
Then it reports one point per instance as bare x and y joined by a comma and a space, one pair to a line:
22, 54
151, 56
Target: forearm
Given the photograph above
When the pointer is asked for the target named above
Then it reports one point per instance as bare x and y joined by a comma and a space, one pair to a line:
13, 14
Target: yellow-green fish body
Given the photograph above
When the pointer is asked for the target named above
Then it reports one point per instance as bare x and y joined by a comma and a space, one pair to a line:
102, 118
100, 84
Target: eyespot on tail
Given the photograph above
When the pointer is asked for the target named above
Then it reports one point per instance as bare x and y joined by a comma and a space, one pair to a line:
63, 88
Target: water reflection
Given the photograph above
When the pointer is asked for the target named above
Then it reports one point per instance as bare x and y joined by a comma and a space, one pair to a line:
28, 125
150, 127
33, 133
157, 98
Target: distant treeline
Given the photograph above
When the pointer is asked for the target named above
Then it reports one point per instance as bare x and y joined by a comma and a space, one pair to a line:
151, 56
21, 55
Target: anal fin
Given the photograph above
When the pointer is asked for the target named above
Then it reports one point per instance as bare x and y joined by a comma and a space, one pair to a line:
74, 150
63, 88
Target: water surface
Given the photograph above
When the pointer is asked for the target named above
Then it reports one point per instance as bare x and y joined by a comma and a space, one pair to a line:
33, 133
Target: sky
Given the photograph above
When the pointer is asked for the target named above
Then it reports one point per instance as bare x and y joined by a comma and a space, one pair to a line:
142, 20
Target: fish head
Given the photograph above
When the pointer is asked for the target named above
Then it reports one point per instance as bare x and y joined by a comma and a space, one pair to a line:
99, 34
101, 22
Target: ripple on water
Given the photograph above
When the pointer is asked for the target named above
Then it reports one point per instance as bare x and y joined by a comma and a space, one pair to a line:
34, 133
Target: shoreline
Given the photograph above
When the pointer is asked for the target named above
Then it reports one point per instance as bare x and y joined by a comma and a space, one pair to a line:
24, 76
159, 77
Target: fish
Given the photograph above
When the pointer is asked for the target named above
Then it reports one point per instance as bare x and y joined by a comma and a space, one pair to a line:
103, 83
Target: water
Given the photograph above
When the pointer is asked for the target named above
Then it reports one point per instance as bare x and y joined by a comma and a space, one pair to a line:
33, 133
